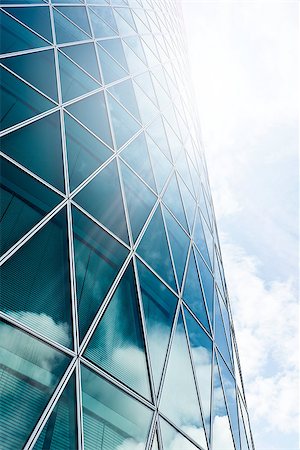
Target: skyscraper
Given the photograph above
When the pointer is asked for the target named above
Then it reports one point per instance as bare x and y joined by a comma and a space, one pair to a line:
116, 330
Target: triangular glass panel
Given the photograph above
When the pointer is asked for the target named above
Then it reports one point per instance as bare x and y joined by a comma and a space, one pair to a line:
154, 248
108, 207
221, 432
226, 321
150, 50
115, 48
123, 27
126, 14
43, 76
145, 83
134, 42
203, 207
98, 259
133, 61
220, 336
189, 203
201, 346
37, 18
172, 199
140, 26
159, 305
230, 395
157, 132
192, 292
183, 408
125, 94
172, 439
200, 239
91, 111
140, 200
100, 28
120, 349
15, 37
124, 125
207, 283
112, 419
85, 152
60, 430
85, 56
219, 273
66, 31
74, 82
137, 156
21, 197
209, 242
30, 372
161, 165
38, 147
183, 169
78, 15
111, 70
19, 102
107, 15
147, 108
35, 283
179, 242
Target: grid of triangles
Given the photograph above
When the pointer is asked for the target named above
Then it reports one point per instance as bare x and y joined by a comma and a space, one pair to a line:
115, 328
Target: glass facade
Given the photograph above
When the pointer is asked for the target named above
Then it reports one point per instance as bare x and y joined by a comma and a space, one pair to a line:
115, 325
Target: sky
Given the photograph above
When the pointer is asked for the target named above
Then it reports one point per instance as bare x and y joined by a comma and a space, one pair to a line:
245, 70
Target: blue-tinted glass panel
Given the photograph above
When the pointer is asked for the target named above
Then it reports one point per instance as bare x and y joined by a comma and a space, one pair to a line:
85, 152
107, 15
30, 371
38, 147
124, 92
173, 201
220, 335
111, 418
115, 48
19, 101
124, 125
35, 283
85, 56
189, 203
111, 70
37, 18
23, 202
200, 239
100, 28
207, 283
157, 132
117, 345
98, 259
67, 31
154, 248
159, 306
78, 15
43, 76
161, 166
140, 200
134, 42
102, 198
60, 430
172, 439
91, 111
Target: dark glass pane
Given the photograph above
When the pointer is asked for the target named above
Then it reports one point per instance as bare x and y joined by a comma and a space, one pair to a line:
115, 48
35, 283
60, 430
192, 292
67, 31
137, 156
30, 371
98, 259
230, 395
183, 408
154, 248
161, 166
208, 285
220, 335
200, 239
74, 82
111, 418
173, 201
172, 439
117, 345
91, 111
179, 242
102, 198
78, 15
201, 346
139, 198
85, 56
24, 202
43, 76
100, 28
38, 147
19, 101
85, 152
111, 70
124, 125
159, 306
124, 92
15, 37
222, 437
36, 17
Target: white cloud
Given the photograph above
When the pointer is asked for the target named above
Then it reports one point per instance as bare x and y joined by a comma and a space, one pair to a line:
222, 439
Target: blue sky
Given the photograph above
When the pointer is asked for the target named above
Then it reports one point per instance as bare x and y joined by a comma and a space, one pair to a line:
244, 61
